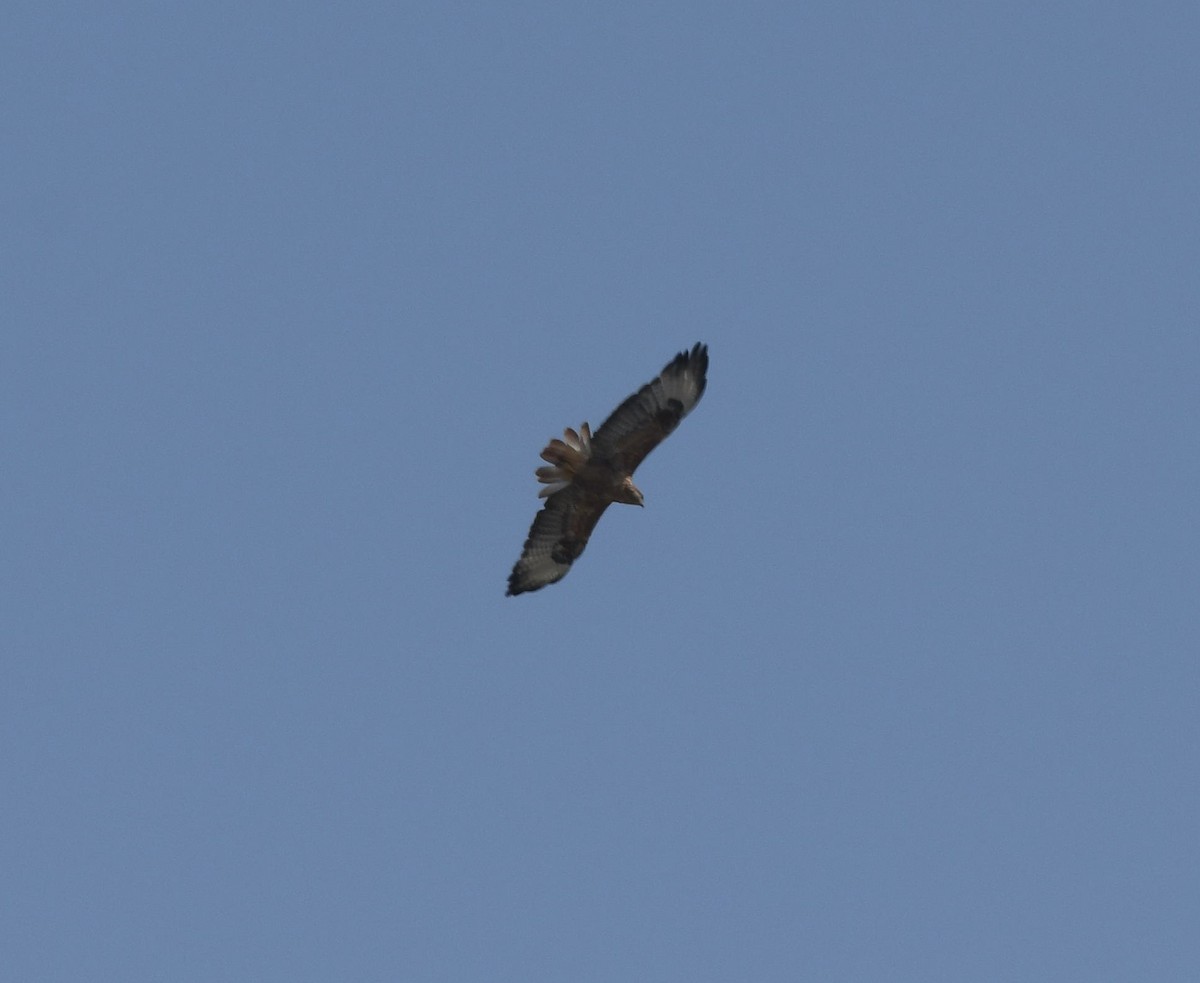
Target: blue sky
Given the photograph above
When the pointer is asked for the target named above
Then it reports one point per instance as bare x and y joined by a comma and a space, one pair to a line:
895, 678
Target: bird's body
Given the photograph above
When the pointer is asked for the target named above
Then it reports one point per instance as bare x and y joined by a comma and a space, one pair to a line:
588, 473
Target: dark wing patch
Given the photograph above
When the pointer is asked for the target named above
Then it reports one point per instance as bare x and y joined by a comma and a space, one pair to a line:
640, 423
557, 537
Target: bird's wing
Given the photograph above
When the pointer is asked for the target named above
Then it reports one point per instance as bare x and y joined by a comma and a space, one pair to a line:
558, 535
641, 423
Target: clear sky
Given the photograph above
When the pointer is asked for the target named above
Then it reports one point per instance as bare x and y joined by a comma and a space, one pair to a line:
894, 678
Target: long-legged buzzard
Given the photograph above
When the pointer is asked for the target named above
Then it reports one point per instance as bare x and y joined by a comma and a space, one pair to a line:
586, 473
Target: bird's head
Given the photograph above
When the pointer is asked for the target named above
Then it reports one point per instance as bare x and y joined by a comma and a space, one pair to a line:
629, 493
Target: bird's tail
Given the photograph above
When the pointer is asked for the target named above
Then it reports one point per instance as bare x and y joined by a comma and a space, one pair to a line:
565, 458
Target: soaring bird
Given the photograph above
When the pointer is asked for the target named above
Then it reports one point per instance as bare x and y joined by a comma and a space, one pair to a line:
585, 473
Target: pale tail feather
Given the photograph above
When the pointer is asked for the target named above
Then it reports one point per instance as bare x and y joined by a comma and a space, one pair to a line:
566, 458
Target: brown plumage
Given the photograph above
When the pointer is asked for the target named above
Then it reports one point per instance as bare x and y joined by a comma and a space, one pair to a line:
585, 473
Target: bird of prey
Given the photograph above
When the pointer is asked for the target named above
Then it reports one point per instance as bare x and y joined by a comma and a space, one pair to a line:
586, 473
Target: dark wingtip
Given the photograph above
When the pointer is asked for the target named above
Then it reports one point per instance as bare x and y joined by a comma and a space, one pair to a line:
695, 361
515, 586
522, 590
697, 357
